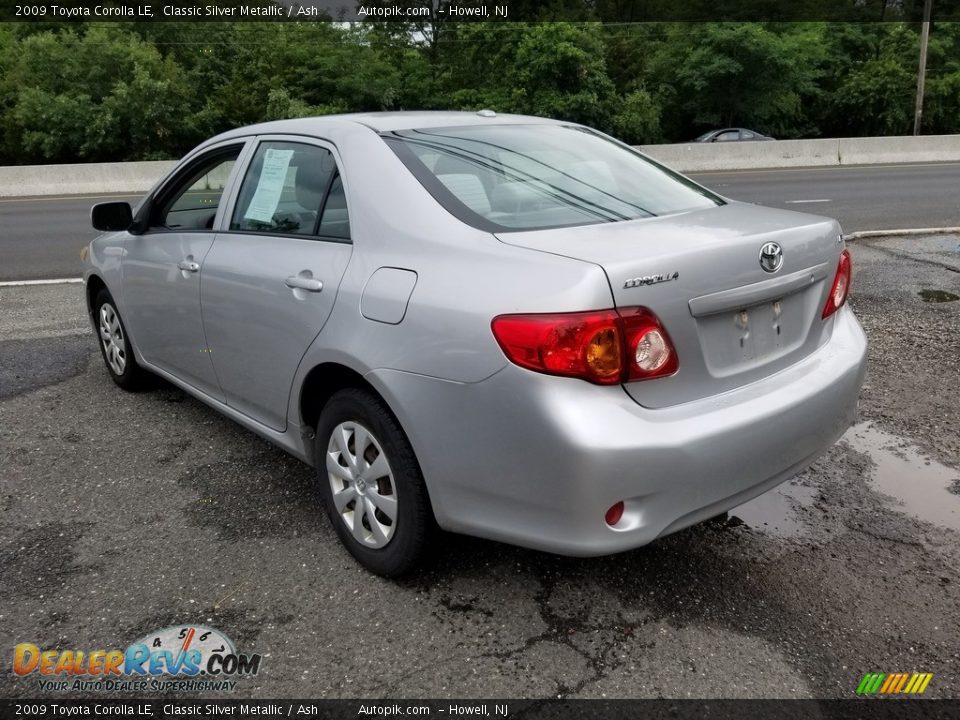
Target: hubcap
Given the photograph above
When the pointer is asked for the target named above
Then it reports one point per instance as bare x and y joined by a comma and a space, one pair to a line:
362, 485
111, 335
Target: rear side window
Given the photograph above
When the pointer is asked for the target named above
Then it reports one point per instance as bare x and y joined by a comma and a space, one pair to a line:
333, 220
526, 177
292, 189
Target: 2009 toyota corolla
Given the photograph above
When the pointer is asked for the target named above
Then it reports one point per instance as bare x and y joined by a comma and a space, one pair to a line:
505, 326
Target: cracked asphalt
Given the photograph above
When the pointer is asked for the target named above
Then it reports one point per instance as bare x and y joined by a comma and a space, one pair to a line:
125, 513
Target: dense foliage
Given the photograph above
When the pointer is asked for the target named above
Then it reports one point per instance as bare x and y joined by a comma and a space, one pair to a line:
100, 92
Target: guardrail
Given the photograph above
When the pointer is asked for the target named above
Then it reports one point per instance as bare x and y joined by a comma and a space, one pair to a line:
706, 157
137, 177
81, 179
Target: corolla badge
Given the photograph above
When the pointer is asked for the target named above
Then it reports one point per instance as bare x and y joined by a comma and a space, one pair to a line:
771, 257
650, 280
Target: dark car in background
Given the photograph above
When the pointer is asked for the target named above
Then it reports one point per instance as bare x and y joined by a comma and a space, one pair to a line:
732, 135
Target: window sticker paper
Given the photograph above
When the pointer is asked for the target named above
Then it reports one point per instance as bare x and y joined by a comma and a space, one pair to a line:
265, 200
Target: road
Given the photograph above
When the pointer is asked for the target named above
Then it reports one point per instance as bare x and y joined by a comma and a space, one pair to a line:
868, 197
42, 236
121, 514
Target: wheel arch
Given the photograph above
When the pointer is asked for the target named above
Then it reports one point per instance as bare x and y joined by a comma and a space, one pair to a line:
320, 384
95, 284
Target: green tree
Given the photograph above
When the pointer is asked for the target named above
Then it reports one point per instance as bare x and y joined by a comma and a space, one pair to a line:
91, 91
941, 114
103, 95
711, 75
869, 86
552, 69
637, 121
560, 71
876, 99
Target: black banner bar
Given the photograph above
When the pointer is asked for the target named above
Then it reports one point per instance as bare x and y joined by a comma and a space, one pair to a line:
420, 11
487, 709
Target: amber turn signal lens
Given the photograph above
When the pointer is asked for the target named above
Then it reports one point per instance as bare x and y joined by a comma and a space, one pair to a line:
603, 354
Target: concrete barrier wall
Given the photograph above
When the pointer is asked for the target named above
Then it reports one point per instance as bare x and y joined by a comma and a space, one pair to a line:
81, 179
874, 150
704, 157
707, 157
138, 177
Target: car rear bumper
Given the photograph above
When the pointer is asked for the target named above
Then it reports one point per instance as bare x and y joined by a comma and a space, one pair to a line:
536, 460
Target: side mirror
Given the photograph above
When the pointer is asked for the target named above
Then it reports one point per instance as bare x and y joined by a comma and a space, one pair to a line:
110, 216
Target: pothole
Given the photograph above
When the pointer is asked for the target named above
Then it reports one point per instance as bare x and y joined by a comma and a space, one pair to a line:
774, 512
919, 484
938, 296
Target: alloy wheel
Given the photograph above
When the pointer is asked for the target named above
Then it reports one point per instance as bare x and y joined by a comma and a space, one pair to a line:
362, 484
111, 335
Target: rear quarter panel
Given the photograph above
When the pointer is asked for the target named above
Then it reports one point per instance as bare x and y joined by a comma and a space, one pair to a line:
465, 277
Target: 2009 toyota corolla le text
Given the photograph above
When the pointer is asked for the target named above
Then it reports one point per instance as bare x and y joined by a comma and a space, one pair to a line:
505, 326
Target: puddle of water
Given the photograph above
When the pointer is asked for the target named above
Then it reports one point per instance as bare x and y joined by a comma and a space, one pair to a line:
774, 511
918, 483
938, 296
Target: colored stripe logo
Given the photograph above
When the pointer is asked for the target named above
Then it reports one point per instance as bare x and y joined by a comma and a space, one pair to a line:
894, 683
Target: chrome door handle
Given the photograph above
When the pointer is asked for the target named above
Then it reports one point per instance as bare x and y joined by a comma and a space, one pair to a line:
188, 265
298, 282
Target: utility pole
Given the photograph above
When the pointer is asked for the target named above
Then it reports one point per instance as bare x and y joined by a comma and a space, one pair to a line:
922, 75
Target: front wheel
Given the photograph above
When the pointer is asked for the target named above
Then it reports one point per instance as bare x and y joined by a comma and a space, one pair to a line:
371, 484
115, 344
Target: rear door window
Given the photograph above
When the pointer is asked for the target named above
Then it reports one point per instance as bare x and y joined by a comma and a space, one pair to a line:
292, 189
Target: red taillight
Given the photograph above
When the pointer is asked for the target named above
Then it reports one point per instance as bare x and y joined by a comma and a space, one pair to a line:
586, 345
603, 346
614, 514
841, 286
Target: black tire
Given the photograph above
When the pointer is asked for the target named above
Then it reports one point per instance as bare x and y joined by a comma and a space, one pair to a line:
132, 377
414, 523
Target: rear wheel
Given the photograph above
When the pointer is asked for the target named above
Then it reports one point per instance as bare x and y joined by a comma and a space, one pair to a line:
115, 345
371, 484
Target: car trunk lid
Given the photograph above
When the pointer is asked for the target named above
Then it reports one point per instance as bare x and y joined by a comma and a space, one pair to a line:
731, 321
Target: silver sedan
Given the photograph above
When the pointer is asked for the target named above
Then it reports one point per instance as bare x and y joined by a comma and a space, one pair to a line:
505, 326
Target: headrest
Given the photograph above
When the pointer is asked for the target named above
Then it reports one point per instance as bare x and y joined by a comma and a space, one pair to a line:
468, 189
452, 165
311, 182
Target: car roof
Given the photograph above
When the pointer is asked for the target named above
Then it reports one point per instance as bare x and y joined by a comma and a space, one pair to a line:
383, 122
389, 121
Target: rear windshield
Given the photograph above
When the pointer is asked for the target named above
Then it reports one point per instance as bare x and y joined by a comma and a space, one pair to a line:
529, 177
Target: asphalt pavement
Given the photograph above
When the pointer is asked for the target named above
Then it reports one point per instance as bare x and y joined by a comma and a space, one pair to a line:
42, 237
124, 513
865, 197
